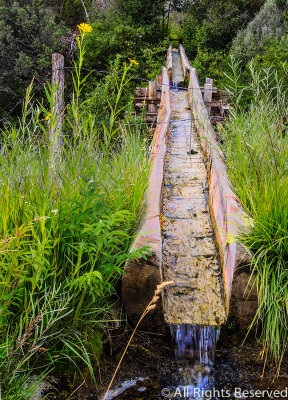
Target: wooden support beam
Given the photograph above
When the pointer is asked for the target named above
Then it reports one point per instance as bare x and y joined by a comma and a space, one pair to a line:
169, 63
207, 96
141, 276
152, 94
146, 100
209, 81
214, 89
224, 95
216, 103
159, 86
141, 92
224, 109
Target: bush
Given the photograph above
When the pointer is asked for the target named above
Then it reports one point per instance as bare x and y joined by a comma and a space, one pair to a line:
210, 65
274, 56
28, 36
113, 38
208, 30
267, 24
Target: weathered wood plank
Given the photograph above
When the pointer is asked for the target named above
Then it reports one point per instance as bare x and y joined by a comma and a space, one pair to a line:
152, 94
169, 62
147, 100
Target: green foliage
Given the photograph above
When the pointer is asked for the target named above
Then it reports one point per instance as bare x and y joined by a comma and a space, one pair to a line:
142, 12
273, 55
109, 46
267, 24
264, 42
145, 13
101, 89
210, 65
28, 36
212, 27
256, 144
113, 38
65, 232
71, 11
208, 30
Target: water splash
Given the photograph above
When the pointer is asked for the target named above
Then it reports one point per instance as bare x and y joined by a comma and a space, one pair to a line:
195, 341
195, 347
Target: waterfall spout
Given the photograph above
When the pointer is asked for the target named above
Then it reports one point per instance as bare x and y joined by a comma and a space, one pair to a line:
195, 347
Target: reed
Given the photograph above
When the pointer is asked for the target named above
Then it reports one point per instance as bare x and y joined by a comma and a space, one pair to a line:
255, 143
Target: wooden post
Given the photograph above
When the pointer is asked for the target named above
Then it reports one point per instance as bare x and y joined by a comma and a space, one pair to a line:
207, 96
152, 94
58, 108
159, 85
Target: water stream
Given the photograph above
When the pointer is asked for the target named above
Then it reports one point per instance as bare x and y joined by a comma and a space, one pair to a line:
195, 347
174, 86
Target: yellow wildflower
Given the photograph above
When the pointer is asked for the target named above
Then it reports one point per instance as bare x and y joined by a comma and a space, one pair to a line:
84, 28
133, 61
47, 116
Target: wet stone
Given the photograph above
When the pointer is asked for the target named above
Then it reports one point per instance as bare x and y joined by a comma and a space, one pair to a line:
199, 226
184, 162
194, 190
188, 172
190, 245
177, 207
191, 269
192, 304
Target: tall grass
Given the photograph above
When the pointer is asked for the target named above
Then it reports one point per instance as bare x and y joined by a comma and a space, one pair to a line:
255, 142
64, 237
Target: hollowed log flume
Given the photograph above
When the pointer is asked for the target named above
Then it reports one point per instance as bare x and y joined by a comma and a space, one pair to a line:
192, 218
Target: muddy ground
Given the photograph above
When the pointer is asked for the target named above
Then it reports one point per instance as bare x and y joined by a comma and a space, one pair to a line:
151, 358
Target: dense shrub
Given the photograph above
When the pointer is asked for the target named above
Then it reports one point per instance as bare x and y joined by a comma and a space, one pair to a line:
208, 30
268, 24
28, 36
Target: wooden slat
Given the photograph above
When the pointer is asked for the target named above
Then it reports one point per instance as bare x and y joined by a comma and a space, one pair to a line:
218, 103
147, 100
214, 89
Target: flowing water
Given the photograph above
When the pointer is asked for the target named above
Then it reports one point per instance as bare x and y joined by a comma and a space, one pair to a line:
188, 247
195, 347
191, 377
174, 86
189, 252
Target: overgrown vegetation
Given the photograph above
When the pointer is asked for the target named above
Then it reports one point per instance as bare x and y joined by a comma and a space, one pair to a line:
255, 142
66, 228
28, 36
208, 30
32, 30
248, 30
